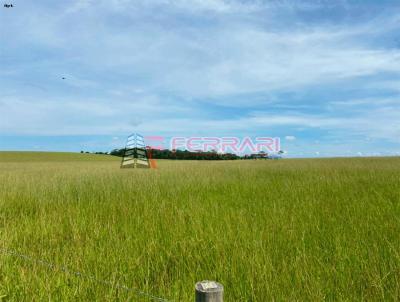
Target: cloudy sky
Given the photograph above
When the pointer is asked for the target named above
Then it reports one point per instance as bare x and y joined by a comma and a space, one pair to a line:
324, 76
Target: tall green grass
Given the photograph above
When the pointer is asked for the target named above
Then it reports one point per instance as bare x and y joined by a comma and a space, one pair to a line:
287, 230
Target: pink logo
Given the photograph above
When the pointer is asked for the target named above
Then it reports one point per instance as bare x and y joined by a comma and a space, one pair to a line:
229, 144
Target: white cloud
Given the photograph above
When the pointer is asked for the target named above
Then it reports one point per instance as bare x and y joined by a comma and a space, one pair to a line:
149, 115
78, 6
232, 55
239, 59
365, 102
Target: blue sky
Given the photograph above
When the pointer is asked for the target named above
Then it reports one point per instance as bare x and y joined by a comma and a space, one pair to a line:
324, 76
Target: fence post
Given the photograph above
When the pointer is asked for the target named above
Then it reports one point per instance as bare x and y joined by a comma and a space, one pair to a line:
209, 291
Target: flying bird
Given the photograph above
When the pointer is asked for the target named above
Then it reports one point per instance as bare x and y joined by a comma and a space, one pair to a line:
8, 5
63, 78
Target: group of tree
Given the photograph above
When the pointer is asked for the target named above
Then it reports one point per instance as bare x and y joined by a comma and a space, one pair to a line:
87, 152
188, 155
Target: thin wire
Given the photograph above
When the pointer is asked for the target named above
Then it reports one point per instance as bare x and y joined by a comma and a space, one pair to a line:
79, 274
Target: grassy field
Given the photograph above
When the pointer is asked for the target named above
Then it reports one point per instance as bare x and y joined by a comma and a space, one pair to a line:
287, 230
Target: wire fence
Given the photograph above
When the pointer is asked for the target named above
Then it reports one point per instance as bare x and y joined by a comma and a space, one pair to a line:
91, 278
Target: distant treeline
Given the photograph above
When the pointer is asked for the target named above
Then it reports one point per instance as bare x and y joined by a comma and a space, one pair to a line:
188, 155
184, 154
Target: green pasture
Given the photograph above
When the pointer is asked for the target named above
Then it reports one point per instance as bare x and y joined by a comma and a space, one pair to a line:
268, 230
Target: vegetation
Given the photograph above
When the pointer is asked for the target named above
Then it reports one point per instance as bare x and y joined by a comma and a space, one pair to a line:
188, 155
182, 154
289, 230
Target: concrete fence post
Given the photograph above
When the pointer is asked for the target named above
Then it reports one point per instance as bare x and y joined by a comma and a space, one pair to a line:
209, 291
